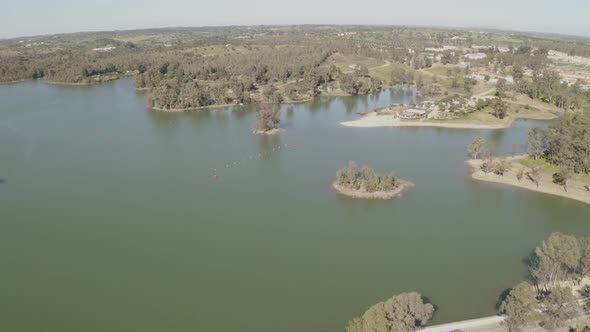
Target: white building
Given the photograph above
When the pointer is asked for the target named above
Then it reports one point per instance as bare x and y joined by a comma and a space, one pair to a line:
440, 49
475, 56
104, 49
564, 57
413, 113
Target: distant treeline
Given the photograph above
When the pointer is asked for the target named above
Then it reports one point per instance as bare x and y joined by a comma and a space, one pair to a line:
194, 67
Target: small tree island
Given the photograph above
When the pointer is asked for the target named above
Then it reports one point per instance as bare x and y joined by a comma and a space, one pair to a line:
365, 183
268, 121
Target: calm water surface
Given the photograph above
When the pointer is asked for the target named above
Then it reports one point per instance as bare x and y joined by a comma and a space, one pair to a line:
110, 219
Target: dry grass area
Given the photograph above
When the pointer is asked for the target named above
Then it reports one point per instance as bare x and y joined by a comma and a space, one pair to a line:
345, 61
524, 100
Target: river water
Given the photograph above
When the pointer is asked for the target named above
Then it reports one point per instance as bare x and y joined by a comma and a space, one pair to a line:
111, 218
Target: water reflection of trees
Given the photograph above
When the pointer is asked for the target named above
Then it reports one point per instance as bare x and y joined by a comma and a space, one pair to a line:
267, 143
290, 110
320, 104
165, 122
349, 103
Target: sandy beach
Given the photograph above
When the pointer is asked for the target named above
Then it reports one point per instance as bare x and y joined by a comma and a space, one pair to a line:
576, 189
374, 120
274, 131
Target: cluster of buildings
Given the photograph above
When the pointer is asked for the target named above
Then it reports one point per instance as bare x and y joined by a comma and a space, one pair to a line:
344, 34
104, 49
484, 75
475, 56
440, 49
564, 57
32, 44
573, 77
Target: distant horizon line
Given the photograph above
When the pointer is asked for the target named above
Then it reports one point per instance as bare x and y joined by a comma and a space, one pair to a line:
439, 27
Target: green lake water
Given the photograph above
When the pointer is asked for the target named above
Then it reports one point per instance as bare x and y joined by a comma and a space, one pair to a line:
111, 220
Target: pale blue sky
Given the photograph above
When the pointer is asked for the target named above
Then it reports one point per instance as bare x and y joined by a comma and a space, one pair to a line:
32, 17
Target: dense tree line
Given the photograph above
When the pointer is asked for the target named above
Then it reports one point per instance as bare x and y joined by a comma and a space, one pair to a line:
365, 179
546, 86
405, 312
558, 263
566, 143
180, 70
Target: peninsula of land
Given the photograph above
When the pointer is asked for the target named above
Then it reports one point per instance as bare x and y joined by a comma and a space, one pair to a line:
435, 114
518, 172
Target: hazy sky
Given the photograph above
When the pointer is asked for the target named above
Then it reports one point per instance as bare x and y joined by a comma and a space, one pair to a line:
32, 17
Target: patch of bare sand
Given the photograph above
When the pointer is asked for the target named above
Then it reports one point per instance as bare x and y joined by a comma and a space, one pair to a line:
473, 121
274, 131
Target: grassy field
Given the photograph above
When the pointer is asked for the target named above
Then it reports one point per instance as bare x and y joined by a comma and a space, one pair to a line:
345, 61
218, 50
530, 162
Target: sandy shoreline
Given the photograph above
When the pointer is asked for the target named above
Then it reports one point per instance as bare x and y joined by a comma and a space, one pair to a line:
576, 190
17, 81
373, 120
177, 110
397, 192
274, 131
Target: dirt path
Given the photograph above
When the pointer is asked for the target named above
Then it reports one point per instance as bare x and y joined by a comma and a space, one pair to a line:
386, 64
485, 93
487, 324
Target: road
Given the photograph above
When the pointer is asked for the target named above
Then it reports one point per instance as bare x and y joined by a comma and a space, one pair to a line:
485, 93
386, 64
487, 324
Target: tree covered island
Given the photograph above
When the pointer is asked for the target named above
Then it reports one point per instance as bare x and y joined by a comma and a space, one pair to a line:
365, 183
268, 121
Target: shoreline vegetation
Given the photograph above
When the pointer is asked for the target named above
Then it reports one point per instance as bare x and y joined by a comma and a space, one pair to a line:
576, 187
365, 183
373, 120
476, 120
268, 121
383, 195
556, 162
217, 106
203, 67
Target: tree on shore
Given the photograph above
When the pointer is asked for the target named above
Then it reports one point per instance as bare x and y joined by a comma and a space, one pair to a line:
558, 259
568, 142
537, 142
268, 118
500, 108
560, 307
520, 174
555, 259
535, 176
562, 177
501, 167
521, 307
476, 146
405, 312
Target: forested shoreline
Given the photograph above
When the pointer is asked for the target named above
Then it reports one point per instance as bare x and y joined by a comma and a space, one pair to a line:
189, 68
